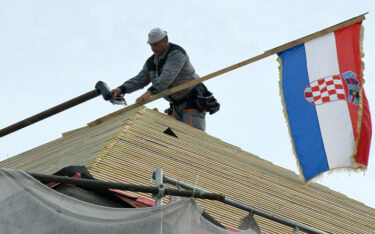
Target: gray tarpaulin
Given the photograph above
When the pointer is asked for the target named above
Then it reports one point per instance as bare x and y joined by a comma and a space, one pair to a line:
28, 206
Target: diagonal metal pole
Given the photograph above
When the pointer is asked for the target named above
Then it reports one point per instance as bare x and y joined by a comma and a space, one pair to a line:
87, 183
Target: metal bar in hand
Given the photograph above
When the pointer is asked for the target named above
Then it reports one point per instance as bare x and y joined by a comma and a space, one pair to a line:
47, 113
248, 209
98, 184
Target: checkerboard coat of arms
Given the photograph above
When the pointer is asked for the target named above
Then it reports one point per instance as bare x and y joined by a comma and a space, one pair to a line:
333, 88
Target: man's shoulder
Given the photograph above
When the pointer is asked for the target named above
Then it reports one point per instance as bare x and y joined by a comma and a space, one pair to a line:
151, 58
174, 47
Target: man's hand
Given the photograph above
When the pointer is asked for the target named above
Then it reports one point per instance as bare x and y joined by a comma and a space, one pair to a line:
116, 92
144, 98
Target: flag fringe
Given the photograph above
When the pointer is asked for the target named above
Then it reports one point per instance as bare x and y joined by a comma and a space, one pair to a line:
360, 110
335, 171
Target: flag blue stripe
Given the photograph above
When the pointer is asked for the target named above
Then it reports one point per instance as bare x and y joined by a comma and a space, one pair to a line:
303, 119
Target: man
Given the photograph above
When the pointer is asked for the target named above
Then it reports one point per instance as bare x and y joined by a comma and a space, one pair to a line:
168, 67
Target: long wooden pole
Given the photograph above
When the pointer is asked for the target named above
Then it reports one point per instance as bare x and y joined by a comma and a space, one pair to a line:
47, 113
235, 66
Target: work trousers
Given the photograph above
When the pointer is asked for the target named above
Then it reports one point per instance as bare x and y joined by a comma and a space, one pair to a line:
189, 116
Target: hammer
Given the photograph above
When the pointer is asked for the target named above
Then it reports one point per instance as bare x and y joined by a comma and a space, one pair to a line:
100, 88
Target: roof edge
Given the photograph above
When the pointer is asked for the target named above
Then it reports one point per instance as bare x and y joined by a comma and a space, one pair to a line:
68, 133
112, 115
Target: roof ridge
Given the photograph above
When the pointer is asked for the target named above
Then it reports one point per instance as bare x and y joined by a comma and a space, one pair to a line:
70, 132
114, 114
104, 150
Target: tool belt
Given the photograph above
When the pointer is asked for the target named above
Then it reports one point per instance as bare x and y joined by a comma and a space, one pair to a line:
199, 98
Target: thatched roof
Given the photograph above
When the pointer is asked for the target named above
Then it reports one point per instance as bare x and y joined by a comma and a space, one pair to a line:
129, 147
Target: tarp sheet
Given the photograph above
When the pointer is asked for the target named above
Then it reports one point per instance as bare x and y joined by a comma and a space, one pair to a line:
28, 206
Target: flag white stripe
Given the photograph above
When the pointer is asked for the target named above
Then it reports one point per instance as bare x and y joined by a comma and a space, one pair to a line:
334, 119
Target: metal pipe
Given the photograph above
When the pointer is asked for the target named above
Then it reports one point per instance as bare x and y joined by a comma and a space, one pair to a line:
52, 111
158, 178
248, 209
98, 184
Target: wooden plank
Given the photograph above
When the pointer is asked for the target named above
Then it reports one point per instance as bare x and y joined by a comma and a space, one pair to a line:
318, 34
235, 66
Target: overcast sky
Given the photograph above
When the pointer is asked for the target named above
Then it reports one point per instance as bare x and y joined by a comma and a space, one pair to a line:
52, 51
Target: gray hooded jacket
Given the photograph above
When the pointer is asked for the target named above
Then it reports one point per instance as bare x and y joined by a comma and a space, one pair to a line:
171, 69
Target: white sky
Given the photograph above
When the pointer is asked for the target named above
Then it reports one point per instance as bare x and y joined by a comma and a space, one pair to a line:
52, 51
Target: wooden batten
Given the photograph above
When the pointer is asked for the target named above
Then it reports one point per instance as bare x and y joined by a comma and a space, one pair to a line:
235, 66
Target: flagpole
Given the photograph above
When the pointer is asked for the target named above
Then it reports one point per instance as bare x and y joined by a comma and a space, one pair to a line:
318, 34
237, 65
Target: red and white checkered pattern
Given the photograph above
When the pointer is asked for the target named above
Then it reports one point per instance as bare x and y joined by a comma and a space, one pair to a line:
325, 90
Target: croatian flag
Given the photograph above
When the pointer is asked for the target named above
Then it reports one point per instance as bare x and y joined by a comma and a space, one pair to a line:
325, 104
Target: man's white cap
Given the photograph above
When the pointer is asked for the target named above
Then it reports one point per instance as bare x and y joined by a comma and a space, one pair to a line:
155, 35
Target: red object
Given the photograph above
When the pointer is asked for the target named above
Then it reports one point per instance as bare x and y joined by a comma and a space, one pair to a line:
346, 55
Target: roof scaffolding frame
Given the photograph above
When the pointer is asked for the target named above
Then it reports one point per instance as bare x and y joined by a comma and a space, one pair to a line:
159, 191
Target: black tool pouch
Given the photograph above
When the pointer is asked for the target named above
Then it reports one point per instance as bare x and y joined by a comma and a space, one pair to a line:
169, 111
204, 100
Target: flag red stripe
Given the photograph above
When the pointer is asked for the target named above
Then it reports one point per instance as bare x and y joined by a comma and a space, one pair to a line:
348, 52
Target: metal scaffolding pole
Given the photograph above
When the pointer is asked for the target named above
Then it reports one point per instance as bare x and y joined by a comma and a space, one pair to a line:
248, 209
98, 184
158, 178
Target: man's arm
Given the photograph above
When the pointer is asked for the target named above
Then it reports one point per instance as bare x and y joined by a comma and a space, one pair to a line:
176, 59
135, 83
